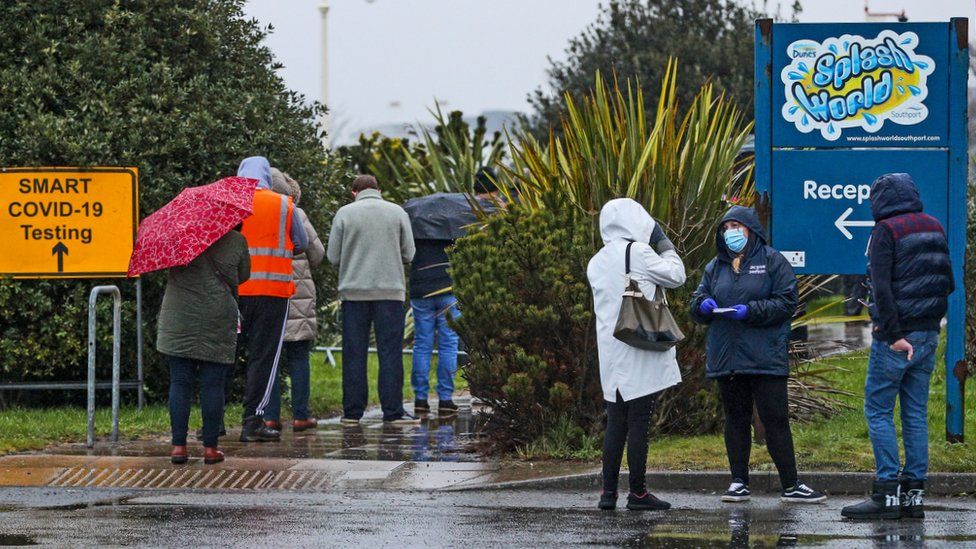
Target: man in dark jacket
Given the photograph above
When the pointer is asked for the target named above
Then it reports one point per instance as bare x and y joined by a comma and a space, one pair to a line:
747, 297
910, 279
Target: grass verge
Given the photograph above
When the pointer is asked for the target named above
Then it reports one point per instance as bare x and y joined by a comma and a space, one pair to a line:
25, 429
840, 443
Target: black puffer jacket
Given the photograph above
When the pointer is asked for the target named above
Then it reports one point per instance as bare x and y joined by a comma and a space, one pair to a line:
908, 262
766, 284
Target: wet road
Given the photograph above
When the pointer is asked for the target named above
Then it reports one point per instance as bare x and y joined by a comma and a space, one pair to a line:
439, 519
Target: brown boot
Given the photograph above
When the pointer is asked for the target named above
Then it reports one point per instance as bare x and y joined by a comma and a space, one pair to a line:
304, 424
212, 455
272, 424
179, 455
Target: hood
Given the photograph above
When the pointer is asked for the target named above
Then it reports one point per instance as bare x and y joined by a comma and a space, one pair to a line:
256, 167
625, 219
746, 216
282, 183
893, 194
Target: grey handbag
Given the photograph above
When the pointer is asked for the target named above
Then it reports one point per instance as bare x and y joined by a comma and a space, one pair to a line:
645, 324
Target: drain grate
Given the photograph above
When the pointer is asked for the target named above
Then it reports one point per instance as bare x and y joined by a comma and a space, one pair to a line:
214, 479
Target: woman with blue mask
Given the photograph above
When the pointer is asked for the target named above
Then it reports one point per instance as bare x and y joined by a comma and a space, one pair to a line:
747, 298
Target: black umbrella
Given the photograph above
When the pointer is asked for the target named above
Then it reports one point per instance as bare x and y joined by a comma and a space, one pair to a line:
444, 216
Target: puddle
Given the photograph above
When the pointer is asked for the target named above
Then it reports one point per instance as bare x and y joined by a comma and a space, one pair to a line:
825, 340
16, 540
434, 439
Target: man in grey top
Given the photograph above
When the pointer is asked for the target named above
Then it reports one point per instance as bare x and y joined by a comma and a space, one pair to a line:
370, 241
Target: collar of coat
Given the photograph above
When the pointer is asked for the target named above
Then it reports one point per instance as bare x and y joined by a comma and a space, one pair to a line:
368, 193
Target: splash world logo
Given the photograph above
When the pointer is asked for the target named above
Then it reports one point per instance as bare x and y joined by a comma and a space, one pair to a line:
855, 82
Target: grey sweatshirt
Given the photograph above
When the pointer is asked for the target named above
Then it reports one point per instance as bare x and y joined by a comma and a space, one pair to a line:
370, 241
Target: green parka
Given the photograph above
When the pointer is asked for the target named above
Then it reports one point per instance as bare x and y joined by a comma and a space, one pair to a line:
198, 318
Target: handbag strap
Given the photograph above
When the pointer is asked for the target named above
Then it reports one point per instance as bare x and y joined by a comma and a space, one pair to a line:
659, 296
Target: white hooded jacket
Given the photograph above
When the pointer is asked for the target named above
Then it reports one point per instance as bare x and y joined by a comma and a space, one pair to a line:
631, 371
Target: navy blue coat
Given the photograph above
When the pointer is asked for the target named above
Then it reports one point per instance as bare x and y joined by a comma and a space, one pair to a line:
909, 269
766, 284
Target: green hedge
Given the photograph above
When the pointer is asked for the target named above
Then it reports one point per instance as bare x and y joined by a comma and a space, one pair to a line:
182, 89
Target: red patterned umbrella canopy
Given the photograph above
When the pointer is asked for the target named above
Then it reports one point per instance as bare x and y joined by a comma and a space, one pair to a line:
180, 231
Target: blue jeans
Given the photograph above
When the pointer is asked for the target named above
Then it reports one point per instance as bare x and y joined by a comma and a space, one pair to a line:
387, 318
430, 316
182, 375
295, 355
891, 375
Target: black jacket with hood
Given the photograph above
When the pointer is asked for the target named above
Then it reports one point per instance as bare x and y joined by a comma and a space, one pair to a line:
766, 284
908, 262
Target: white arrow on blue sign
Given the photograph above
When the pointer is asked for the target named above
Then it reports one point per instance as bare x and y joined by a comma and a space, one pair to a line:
842, 223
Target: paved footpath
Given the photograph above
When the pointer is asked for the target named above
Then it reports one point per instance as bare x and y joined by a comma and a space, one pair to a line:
472, 519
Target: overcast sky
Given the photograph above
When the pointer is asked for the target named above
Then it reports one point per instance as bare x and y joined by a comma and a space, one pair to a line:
389, 59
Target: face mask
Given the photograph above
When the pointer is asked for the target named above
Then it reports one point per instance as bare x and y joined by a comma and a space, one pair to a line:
735, 240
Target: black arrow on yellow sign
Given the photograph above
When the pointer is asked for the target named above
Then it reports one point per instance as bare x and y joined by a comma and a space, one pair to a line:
62, 251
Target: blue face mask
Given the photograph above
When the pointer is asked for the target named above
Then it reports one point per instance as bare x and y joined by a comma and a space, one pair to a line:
735, 240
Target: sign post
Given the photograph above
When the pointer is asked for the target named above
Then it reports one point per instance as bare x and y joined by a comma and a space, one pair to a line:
837, 106
71, 223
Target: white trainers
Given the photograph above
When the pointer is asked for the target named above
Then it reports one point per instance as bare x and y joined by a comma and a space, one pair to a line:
737, 492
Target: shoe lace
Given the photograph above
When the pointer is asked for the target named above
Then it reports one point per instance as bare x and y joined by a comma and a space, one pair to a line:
736, 486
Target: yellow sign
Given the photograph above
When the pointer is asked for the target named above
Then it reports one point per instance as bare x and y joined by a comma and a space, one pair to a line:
67, 222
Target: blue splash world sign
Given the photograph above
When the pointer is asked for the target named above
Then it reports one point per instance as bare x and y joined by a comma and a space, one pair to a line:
850, 81
839, 105
860, 85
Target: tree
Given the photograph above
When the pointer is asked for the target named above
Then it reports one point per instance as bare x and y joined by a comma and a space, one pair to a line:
712, 40
183, 89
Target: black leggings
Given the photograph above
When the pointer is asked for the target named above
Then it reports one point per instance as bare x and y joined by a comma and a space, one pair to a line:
739, 392
627, 422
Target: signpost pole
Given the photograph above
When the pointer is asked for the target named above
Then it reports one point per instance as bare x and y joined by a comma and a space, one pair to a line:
955, 358
763, 102
139, 342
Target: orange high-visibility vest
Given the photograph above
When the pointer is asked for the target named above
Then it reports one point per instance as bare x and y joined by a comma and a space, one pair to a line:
268, 234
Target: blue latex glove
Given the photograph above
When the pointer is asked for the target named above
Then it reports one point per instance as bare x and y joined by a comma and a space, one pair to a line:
707, 306
738, 312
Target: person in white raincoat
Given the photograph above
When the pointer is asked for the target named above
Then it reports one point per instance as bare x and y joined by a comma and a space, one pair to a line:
630, 377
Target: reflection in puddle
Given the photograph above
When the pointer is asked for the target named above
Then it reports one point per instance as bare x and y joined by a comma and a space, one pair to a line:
16, 540
434, 439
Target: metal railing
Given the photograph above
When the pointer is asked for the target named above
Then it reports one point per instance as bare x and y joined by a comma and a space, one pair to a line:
116, 358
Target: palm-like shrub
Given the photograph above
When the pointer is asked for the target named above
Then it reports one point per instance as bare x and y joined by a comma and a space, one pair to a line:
681, 167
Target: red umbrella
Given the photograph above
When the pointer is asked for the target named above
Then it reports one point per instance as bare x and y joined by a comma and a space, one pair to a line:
180, 231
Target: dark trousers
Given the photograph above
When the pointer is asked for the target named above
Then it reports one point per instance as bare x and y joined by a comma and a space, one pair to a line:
769, 394
627, 422
183, 373
387, 318
263, 329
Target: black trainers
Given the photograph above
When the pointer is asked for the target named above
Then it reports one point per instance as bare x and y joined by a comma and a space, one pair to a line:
421, 406
646, 502
912, 496
738, 491
405, 419
801, 493
608, 501
254, 430
447, 408
885, 503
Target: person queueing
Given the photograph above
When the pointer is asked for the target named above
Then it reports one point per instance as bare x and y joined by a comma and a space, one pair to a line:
910, 279
747, 297
434, 308
274, 234
370, 241
302, 325
631, 378
197, 333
